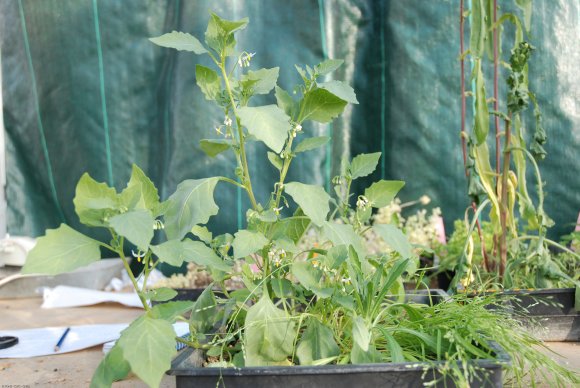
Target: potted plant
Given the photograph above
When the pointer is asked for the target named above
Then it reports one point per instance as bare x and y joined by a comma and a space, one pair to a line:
320, 311
512, 260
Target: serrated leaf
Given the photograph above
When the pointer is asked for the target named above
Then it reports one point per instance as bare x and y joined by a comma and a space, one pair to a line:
360, 333
208, 81
213, 147
171, 310
364, 164
481, 122
204, 314
202, 233
340, 90
285, 101
61, 250
176, 252
190, 205
219, 34
395, 238
247, 242
262, 81
269, 335
162, 294
113, 367
320, 105
311, 143
343, 234
140, 192
275, 160
381, 193
317, 343
94, 201
328, 66
148, 346
181, 41
306, 274
292, 228
136, 226
312, 199
267, 123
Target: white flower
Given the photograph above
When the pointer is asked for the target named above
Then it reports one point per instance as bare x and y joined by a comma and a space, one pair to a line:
298, 127
362, 202
228, 121
424, 200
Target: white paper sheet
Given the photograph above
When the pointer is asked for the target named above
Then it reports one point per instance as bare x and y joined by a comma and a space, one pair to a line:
65, 296
41, 341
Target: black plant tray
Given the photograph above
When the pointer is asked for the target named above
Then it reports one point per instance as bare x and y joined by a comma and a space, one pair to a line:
552, 313
188, 371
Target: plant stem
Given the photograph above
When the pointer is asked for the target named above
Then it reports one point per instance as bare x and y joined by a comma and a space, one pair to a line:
503, 202
246, 172
284, 171
133, 280
496, 87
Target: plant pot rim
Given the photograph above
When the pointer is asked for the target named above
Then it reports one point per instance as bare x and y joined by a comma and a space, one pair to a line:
502, 359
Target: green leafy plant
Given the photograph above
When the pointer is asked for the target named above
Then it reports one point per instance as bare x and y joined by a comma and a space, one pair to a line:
504, 187
311, 306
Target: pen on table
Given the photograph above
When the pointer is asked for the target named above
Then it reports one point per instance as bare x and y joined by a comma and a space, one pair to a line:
61, 340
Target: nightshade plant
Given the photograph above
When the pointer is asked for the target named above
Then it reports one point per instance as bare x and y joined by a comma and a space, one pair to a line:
322, 305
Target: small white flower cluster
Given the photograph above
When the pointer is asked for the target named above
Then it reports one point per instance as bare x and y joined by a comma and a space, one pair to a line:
422, 229
362, 202
295, 129
158, 225
277, 256
390, 214
227, 121
245, 58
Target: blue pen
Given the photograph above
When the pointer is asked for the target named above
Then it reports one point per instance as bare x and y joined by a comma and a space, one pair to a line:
61, 340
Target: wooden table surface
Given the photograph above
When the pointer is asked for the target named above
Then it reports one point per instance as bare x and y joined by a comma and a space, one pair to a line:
75, 369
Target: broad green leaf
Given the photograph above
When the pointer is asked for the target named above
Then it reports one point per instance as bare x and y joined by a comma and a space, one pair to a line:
113, 367
175, 252
360, 333
395, 238
285, 101
320, 105
219, 34
364, 164
213, 147
262, 81
306, 274
267, 123
269, 334
328, 66
94, 202
136, 226
477, 38
381, 193
287, 244
282, 287
312, 199
293, 227
343, 234
148, 346
247, 242
171, 310
275, 160
336, 255
316, 343
311, 143
162, 294
526, 7
208, 81
61, 250
202, 233
190, 205
181, 41
340, 90
204, 314
360, 356
481, 125
147, 197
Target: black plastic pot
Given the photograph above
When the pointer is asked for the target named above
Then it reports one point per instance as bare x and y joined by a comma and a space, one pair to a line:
188, 371
548, 314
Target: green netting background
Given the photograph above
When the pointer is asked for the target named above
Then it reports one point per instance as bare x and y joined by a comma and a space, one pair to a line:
84, 90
